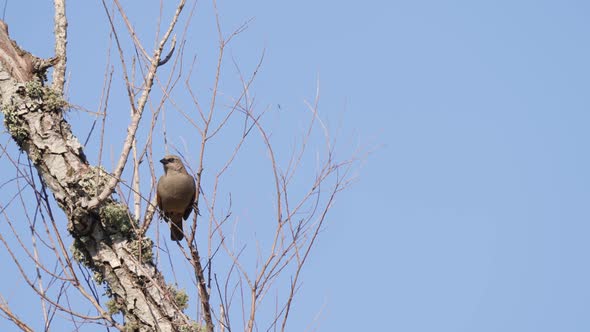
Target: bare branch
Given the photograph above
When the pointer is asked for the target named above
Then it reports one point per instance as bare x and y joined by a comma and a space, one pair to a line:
169, 55
132, 129
12, 317
60, 31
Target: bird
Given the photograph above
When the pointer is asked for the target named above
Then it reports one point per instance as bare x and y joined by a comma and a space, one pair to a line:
175, 194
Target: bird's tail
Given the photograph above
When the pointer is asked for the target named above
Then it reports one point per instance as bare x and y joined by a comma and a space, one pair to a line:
176, 233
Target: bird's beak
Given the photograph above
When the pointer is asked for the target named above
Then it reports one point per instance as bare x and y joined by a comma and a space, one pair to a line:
164, 161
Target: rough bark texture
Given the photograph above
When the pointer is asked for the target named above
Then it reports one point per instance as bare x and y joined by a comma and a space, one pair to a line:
104, 237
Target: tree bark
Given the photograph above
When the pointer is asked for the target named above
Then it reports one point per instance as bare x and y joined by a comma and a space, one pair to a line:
104, 236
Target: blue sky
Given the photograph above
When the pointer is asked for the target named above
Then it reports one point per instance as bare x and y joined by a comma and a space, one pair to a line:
472, 212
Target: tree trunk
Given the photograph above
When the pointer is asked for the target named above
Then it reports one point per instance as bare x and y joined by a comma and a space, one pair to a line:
104, 237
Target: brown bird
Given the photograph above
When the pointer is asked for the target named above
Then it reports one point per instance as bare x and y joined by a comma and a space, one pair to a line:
175, 194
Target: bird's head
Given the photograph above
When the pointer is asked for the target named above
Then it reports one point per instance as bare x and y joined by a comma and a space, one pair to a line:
172, 163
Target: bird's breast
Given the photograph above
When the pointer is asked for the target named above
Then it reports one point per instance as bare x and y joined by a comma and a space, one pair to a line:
176, 192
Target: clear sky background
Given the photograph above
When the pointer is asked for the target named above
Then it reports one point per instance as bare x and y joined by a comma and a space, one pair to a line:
472, 213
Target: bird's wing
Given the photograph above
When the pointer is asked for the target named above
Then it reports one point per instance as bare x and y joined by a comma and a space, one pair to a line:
191, 206
158, 199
